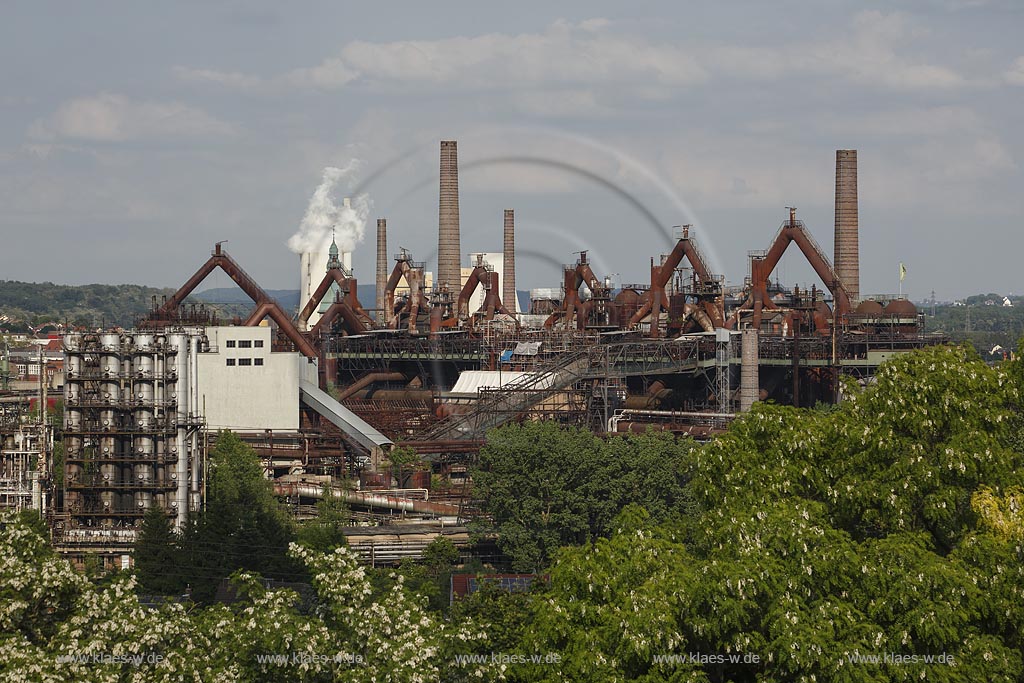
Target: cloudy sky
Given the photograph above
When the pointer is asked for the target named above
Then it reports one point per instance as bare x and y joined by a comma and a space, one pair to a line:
135, 135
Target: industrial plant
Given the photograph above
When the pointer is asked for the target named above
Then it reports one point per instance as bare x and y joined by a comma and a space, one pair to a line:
325, 392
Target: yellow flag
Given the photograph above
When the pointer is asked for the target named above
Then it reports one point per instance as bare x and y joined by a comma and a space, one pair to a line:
903, 272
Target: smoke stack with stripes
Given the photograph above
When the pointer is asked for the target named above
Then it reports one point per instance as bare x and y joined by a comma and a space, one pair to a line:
508, 269
847, 249
449, 250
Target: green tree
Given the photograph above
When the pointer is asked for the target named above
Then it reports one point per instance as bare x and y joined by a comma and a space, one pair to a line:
156, 555
57, 626
545, 486
819, 538
243, 527
327, 531
402, 460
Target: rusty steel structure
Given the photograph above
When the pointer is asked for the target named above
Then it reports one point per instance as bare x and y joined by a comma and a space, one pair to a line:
449, 250
167, 313
707, 310
681, 353
415, 303
762, 265
346, 308
597, 351
847, 247
583, 314
484, 276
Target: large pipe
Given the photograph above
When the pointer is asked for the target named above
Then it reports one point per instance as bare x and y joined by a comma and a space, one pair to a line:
194, 410
749, 379
370, 500
285, 324
179, 343
508, 270
847, 249
367, 380
264, 304
382, 267
449, 250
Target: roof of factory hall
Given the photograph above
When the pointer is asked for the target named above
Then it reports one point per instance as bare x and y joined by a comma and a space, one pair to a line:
472, 381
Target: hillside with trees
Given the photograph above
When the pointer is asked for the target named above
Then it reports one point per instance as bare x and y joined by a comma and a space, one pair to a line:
984, 326
28, 305
37, 303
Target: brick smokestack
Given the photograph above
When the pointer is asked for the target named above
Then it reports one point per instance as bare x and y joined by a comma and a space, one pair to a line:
449, 250
382, 266
847, 249
508, 267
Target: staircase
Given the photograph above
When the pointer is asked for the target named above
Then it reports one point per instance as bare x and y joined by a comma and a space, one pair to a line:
497, 406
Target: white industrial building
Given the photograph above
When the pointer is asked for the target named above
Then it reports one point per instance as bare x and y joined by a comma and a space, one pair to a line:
245, 386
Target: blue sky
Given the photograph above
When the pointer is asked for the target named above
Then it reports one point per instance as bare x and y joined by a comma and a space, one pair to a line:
134, 135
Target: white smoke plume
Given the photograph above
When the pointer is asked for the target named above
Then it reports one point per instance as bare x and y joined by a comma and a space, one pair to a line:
324, 216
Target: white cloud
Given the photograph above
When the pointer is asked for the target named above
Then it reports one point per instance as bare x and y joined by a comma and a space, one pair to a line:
872, 48
713, 169
110, 117
229, 79
1015, 74
969, 161
329, 74
564, 53
912, 122
865, 53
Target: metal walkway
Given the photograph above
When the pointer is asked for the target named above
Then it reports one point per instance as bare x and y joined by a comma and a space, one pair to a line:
358, 429
605, 362
496, 406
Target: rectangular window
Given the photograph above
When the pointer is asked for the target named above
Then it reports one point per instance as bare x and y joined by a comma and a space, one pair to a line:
231, 361
245, 343
257, 361
230, 343
245, 361
258, 344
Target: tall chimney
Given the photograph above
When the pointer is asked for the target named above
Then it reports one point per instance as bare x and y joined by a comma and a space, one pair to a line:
508, 268
382, 266
449, 250
847, 250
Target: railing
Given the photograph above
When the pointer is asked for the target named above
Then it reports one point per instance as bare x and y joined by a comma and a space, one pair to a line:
495, 406
810, 238
100, 482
